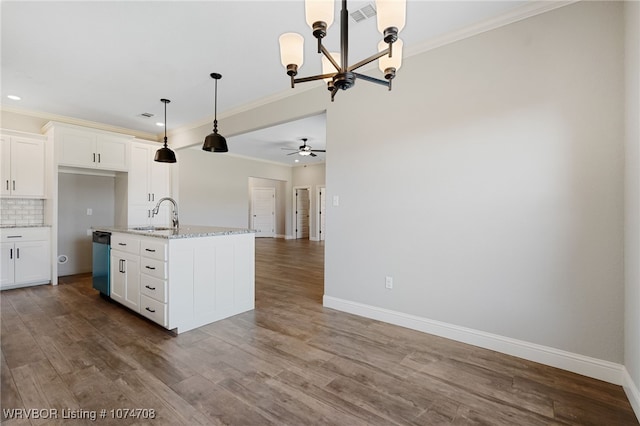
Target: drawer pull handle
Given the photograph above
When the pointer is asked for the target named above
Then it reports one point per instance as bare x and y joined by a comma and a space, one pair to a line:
151, 310
122, 244
150, 288
152, 251
150, 267
14, 236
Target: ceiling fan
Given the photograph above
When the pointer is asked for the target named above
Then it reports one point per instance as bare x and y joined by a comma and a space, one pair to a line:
304, 149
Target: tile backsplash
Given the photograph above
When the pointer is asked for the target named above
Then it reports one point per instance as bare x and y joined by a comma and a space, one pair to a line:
19, 211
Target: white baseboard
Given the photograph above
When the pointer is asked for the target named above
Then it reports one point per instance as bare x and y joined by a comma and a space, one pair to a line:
633, 393
587, 366
289, 237
280, 236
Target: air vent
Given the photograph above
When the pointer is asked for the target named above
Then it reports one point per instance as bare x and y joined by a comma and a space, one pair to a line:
146, 115
365, 12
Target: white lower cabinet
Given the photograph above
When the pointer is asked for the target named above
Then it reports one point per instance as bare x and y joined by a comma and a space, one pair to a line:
184, 283
25, 257
125, 279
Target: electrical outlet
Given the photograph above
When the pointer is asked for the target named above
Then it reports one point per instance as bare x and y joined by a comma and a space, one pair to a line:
89, 232
388, 282
336, 201
89, 212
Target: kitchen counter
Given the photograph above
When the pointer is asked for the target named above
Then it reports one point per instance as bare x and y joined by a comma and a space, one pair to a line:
24, 226
182, 278
184, 231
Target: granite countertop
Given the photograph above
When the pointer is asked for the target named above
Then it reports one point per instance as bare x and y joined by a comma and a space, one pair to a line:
184, 231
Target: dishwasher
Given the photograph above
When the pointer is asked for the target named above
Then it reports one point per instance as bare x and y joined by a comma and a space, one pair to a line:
101, 261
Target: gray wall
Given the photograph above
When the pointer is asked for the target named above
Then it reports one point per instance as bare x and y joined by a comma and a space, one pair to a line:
77, 193
632, 222
493, 187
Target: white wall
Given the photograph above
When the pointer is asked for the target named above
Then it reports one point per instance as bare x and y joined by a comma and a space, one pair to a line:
632, 207
213, 187
491, 186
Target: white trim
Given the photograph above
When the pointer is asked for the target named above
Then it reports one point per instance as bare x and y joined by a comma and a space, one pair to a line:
587, 366
632, 391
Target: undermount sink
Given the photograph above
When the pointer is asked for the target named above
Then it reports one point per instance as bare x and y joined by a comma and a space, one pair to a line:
152, 228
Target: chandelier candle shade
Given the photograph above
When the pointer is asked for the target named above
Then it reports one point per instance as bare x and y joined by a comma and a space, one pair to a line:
215, 142
164, 154
336, 70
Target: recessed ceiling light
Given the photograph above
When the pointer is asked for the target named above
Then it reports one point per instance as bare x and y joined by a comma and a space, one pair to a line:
14, 97
159, 124
296, 160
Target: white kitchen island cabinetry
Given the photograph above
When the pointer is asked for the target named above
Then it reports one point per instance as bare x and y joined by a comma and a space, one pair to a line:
25, 258
190, 277
125, 271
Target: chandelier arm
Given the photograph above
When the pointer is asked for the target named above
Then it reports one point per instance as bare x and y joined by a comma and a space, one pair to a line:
373, 79
333, 93
369, 59
314, 77
326, 53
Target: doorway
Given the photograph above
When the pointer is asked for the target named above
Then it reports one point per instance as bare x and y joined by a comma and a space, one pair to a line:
302, 204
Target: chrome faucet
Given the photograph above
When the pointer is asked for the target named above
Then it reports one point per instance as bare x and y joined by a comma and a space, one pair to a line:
174, 219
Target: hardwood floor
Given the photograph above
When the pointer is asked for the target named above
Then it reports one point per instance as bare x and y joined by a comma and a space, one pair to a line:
290, 361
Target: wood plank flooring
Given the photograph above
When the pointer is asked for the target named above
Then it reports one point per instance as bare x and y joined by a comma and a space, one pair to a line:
288, 362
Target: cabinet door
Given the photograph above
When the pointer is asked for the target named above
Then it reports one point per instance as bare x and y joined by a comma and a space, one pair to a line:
125, 279
32, 262
159, 180
77, 148
5, 165
163, 218
27, 167
7, 254
139, 215
139, 175
111, 153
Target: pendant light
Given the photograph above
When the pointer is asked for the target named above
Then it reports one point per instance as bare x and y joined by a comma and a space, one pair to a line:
215, 142
164, 154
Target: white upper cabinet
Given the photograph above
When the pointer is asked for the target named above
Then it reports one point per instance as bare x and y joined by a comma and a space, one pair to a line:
149, 181
93, 149
22, 167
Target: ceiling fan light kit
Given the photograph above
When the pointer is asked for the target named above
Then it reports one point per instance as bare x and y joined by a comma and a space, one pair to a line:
215, 142
164, 154
337, 72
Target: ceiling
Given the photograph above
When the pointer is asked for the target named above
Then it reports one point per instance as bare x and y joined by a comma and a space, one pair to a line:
111, 61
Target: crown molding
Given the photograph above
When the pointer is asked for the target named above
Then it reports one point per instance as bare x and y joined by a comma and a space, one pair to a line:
79, 122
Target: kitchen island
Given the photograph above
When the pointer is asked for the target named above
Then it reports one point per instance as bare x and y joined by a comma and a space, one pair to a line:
183, 278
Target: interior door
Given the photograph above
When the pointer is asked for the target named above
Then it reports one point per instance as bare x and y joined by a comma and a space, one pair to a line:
302, 212
263, 206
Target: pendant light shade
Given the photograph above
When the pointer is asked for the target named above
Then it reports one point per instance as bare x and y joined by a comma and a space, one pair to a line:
215, 142
164, 154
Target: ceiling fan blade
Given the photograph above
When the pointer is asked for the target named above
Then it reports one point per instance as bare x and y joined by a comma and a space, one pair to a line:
313, 155
293, 153
318, 150
289, 149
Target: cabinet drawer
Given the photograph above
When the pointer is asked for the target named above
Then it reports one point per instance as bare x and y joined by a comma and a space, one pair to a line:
127, 244
154, 310
154, 288
14, 235
153, 249
155, 268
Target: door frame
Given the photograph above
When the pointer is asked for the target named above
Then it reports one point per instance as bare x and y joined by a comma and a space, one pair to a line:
294, 210
320, 189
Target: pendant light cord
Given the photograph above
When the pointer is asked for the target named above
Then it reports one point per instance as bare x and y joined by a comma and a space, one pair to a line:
165, 124
215, 109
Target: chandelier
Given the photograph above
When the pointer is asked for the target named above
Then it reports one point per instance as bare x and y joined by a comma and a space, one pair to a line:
336, 70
